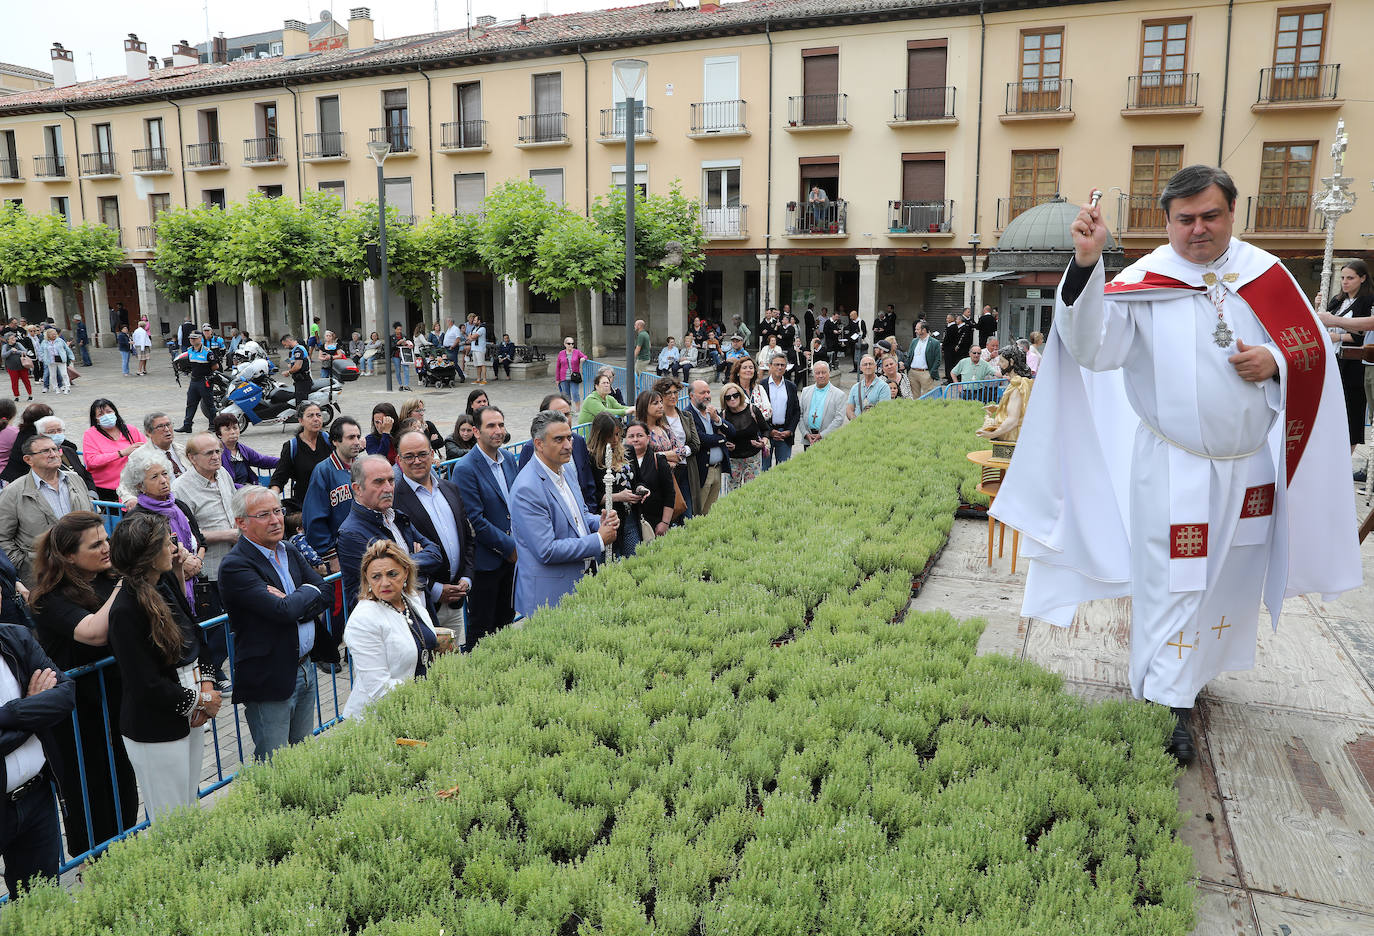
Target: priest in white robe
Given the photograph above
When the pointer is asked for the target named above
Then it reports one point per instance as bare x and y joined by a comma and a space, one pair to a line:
1184, 447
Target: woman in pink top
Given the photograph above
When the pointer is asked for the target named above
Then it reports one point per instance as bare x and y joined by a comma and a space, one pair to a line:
106, 447
570, 362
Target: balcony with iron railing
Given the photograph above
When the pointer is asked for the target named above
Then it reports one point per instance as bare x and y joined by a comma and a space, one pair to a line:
98, 165
1039, 99
1289, 213
818, 112
729, 223
205, 155
1169, 92
326, 145
922, 105
717, 119
613, 124
817, 219
543, 130
9, 169
464, 135
1141, 215
1298, 86
50, 167
1008, 208
920, 217
152, 160
147, 237
261, 151
400, 136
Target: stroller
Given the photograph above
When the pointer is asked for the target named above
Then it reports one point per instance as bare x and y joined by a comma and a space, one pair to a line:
434, 368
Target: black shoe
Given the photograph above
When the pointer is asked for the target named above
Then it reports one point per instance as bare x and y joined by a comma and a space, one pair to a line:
185, 429
1360, 475
225, 689
1181, 742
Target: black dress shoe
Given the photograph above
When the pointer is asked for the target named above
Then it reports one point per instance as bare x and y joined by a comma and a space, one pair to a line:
1360, 475
1181, 742
185, 429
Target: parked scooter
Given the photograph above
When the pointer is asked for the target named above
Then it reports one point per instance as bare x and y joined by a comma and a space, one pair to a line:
254, 398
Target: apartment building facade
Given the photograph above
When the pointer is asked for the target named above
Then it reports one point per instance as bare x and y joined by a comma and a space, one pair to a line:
844, 152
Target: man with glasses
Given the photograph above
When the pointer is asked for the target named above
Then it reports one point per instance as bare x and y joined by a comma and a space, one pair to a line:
436, 508
33, 503
273, 598
329, 497
208, 490
163, 446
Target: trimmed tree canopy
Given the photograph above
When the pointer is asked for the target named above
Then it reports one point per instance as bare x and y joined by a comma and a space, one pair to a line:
42, 250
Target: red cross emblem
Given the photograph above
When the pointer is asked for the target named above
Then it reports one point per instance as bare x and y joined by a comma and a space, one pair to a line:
1301, 347
1259, 501
1187, 541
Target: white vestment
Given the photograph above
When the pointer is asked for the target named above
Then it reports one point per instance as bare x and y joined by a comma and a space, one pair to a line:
1173, 498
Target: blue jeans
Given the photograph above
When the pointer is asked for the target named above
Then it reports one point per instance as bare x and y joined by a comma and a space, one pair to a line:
276, 724
126, 355
401, 372
85, 356
778, 453
573, 391
35, 849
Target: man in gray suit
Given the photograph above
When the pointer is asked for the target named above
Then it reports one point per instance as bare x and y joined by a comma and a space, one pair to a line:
34, 502
822, 406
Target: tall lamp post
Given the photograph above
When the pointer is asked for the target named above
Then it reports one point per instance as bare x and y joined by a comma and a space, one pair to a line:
379, 150
629, 79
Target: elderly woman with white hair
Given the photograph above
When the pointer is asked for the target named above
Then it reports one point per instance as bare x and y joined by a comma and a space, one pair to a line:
149, 477
55, 355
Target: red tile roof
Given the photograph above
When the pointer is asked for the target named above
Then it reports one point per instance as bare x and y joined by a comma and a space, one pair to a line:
644, 24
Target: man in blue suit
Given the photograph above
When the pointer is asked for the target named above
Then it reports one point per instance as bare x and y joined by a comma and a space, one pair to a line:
579, 468
484, 477
273, 598
557, 540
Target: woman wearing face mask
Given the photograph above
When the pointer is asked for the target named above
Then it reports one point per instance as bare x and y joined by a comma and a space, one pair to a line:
107, 446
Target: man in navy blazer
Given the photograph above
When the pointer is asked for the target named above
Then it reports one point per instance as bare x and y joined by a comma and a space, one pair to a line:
786, 406
374, 517
484, 477
436, 508
273, 598
581, 463
712, 457
557, 540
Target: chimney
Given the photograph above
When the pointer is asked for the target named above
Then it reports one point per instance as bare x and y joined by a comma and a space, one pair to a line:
183, 54
708, 6
166, 61
153, 63
63, 66
219, 51
524, 24
360, 34
135, 58
294, 38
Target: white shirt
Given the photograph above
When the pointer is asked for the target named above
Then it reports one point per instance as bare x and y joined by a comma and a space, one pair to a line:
495, 465
777, 398
918, 357
565, 491
59, 496
451, 336
141, 339
24, 762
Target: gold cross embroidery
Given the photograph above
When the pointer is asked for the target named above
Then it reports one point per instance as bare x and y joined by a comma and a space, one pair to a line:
1300, 346
1296, 427
1188, 541
1220, 627
1180, 644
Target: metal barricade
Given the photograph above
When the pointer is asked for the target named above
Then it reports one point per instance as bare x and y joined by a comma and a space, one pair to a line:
984, 391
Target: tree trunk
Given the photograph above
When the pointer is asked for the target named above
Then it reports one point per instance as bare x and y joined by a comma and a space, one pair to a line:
582, 304
295, 309
429, 303
70, 307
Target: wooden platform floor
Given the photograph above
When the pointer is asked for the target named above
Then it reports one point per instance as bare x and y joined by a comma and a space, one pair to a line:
1280, 801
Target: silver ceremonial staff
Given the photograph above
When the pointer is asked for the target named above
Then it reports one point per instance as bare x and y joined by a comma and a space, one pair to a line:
610, 487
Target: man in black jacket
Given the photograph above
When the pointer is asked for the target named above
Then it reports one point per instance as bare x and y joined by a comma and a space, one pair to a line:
274, 599
436, 509
856, 331
712, 457
987, 326
34, 697
786, 406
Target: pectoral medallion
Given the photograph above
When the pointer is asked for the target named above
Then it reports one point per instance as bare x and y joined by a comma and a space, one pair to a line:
1222, 334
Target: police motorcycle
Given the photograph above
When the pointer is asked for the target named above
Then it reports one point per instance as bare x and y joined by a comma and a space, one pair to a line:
254, 398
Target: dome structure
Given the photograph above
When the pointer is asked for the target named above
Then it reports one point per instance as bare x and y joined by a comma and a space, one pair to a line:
1038, 239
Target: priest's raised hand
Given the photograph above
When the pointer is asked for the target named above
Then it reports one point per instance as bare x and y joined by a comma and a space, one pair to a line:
1089, 235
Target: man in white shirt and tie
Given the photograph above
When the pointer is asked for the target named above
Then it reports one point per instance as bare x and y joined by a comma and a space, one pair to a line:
161, 443
557, 540
484, 477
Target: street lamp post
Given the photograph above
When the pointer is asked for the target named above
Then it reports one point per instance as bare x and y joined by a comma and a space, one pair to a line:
379, 150
629, 78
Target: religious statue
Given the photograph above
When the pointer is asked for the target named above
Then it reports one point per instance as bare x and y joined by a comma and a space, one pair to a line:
1004, 417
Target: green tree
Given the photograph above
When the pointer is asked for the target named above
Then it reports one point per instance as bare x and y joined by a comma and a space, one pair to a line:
43, 250
188, 242
669, 241
406, 272
276, 244
446, 242
516, 215
573, 255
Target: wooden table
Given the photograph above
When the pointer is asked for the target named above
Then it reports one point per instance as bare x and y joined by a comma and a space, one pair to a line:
993, 471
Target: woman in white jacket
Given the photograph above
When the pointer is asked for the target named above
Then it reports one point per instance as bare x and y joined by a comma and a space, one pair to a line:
389, 633
55, 355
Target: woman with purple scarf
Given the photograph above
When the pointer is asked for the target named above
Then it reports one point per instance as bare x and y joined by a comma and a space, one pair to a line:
147, 475
238, 459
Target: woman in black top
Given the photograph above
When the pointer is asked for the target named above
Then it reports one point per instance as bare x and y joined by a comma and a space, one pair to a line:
1353, 301
415, 409
655, 475
71, 597
166, 698
299, 456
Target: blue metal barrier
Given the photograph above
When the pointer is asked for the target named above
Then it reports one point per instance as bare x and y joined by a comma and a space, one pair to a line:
221, 778
644, 380
984, 391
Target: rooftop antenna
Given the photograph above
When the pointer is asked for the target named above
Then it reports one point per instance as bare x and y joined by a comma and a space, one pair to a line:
469, 20
90, 57
436, 15
209, 37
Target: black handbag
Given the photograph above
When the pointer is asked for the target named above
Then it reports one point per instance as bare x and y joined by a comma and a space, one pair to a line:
206, 604
575, 376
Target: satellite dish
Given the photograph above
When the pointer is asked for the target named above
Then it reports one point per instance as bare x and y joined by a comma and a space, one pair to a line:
324, 16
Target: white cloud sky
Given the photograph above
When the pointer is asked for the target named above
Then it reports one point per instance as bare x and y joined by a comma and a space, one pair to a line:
95, 29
